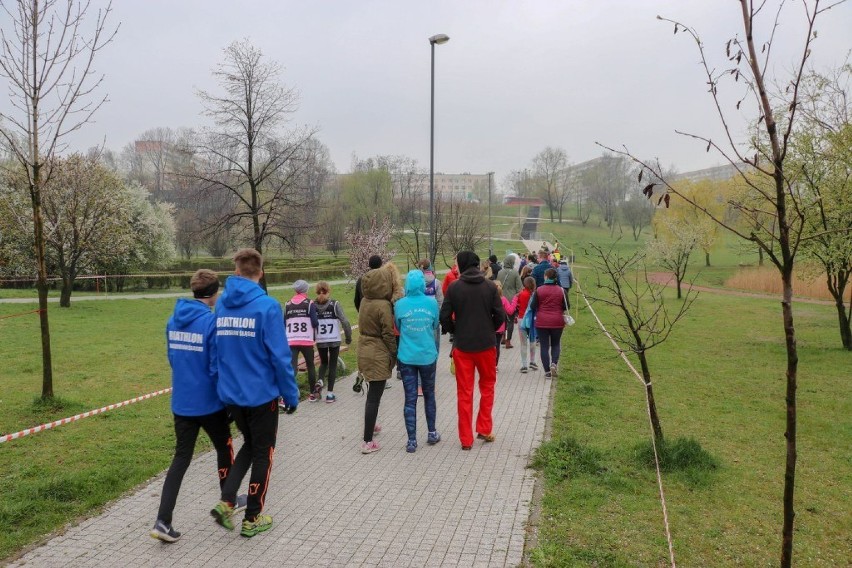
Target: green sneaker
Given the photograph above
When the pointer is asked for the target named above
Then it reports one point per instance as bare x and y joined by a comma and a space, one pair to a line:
222, 513
260, 524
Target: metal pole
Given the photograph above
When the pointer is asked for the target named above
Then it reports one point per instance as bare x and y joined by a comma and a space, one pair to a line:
432, 252
490, 240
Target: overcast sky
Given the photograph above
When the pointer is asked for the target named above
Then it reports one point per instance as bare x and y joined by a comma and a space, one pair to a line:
514, 78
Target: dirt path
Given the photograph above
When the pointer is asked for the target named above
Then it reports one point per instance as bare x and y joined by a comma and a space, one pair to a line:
668, 279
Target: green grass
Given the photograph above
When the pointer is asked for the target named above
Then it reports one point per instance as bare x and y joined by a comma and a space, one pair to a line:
719, 387
103, 352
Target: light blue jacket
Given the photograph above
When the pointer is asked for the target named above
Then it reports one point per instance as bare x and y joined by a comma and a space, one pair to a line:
563, 273
416, 318
191, 343
253, 355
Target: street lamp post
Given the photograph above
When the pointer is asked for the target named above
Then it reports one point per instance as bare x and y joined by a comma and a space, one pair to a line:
435, 39
490, 239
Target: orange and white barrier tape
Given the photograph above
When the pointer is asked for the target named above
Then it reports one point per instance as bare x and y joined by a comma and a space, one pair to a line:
28, 431
21, 314
48, 426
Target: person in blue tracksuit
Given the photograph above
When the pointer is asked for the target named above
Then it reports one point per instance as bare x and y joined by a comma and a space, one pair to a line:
191, 344
416, 318
254, 370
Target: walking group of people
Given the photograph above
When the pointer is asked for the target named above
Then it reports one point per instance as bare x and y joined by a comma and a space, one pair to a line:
239, 363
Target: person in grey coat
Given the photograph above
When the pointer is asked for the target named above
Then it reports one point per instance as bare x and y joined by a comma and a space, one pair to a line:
566, 280
512, 284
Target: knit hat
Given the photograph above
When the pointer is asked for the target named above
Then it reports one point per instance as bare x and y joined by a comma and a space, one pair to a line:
375, 262
466, 259
300, 286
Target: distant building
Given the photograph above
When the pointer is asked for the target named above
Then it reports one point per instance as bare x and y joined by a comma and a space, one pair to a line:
514, 200
717, 173
460, 187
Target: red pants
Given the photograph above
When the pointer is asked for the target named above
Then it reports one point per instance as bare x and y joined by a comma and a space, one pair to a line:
485, 363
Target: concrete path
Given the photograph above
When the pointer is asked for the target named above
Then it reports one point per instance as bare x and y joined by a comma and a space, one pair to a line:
333, 506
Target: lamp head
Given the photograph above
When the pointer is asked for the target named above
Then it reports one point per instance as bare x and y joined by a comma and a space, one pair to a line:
439, 39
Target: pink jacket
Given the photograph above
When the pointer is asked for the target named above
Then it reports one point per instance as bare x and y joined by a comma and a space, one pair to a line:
510, 310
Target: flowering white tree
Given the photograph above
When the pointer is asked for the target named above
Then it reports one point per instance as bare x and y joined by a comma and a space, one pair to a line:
366, 243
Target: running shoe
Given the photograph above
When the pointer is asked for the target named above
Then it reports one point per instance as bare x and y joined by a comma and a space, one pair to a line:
548, 375
533, 367
554, 369
222, 513
434, 438
377, 429
312, 397
524, 370
411, 447
486, 437
164, 531
370, 447
329, 398
260, 524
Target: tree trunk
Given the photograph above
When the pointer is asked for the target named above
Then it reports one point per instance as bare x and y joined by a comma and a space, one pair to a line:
845, 326
649, 391
41, 285
836, 283
65, 294
790, 434
760, 257
678, 279
707, 258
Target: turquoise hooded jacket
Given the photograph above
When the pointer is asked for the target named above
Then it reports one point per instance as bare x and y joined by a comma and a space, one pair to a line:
416, 318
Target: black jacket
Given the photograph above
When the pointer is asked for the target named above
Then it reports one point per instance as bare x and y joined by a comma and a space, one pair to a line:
495, 268
478, 311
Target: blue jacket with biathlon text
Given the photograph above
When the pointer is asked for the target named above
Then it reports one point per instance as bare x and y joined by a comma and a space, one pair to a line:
251, 346
191, 348
416, 318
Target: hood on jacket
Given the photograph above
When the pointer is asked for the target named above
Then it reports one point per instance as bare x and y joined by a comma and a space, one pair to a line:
187, 311
509, 262
472, 275
466, 259
378, 284
240, 291
415, 284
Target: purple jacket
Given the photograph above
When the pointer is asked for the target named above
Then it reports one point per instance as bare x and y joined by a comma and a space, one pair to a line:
548, 301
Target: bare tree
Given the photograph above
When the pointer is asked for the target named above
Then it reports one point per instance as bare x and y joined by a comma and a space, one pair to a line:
47, 58
637, 213
549, 167
822, 154
645, 318
246, 155
673, 247
608, 181
782, 216
460, 225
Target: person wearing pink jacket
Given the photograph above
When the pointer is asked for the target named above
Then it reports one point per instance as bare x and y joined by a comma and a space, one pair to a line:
510, 307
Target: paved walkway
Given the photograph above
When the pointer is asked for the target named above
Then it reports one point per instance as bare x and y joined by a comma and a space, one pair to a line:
333, 506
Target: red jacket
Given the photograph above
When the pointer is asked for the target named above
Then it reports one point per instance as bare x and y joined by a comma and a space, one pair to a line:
523, 301
451, 277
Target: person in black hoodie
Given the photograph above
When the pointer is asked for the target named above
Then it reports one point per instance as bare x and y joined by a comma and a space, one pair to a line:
495, 266
472, 311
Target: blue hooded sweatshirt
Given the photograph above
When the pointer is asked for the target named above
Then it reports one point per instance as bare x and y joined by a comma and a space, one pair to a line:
191, 348
416, 318
253, 355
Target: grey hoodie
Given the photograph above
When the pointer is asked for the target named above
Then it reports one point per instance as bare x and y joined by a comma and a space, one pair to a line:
509, 278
